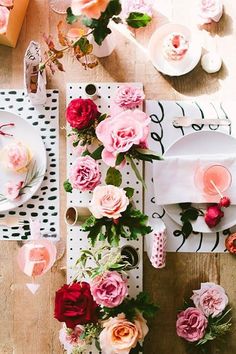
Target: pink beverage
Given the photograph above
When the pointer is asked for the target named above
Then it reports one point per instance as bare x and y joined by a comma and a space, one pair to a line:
217, 175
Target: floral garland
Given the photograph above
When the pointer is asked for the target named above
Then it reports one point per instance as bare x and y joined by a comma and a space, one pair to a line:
98, 310
206, 319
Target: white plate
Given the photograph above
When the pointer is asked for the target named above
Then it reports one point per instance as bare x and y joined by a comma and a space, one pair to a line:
26, 133
174, 67
203, 143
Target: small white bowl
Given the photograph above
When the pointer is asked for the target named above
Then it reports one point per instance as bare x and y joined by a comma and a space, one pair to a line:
174, 67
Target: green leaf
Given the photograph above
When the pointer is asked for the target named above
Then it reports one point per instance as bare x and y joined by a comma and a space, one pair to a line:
101, 32
102, 117
146, 153
120, 158
84, 44
185, 205
113, 237
86, 153
70, 17
67, 186
113, 9
138, 19
94, 232
187, 229
97, 154
190, 214
136, 171
90, 222
129, 192
113, 177
89, 22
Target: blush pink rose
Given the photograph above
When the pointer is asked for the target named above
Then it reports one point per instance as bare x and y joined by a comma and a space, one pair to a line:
120, 335
71, 338
84, 174
12, 190
191, 324
109, 289
7, 3
210, 11
129, 97
211, 299
4, 17
108, 201
119, 133
89, 8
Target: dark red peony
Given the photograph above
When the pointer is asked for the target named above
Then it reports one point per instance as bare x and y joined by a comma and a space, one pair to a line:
81, 113
213, 215
74, 305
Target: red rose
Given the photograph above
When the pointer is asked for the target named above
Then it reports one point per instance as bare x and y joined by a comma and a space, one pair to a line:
81, 113
213, 215
74, 305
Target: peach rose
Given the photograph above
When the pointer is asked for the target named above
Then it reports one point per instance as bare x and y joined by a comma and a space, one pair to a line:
120, 335
108, 201
89, 8
4, 17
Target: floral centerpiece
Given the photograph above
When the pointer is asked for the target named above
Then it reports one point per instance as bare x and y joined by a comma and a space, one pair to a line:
206, 319
120, 137
98, 310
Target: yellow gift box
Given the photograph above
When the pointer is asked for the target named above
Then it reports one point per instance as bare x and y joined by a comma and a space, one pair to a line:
16, 18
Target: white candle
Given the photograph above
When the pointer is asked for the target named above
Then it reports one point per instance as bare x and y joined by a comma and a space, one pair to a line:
211, 62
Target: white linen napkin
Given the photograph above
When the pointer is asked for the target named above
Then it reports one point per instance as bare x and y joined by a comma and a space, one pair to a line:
174, 178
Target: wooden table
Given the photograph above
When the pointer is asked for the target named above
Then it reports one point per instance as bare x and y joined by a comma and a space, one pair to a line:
27, 325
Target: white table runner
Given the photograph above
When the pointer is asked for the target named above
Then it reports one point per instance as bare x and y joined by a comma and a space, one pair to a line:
45, 203
162, 135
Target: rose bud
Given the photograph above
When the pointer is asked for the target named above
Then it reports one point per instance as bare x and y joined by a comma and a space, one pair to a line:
213, 215
225, 202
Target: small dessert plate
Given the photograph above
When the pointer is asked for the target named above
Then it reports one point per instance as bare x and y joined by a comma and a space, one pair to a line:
174, 67
33, 176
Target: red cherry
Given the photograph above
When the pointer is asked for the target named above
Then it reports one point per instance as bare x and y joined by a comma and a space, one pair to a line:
225, 202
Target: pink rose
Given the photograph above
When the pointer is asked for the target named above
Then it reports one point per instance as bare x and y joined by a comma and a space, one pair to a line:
119, 133
89, 8
16, 156
12, 190
109, 289
210, 10
7, 3
71, 338
143, 6
213, 215
211, 299
120, 335
191, 324
4, 17
129, 97
108, 201
84, 174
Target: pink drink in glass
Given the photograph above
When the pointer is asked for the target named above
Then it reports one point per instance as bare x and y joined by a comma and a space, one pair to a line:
217, 175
